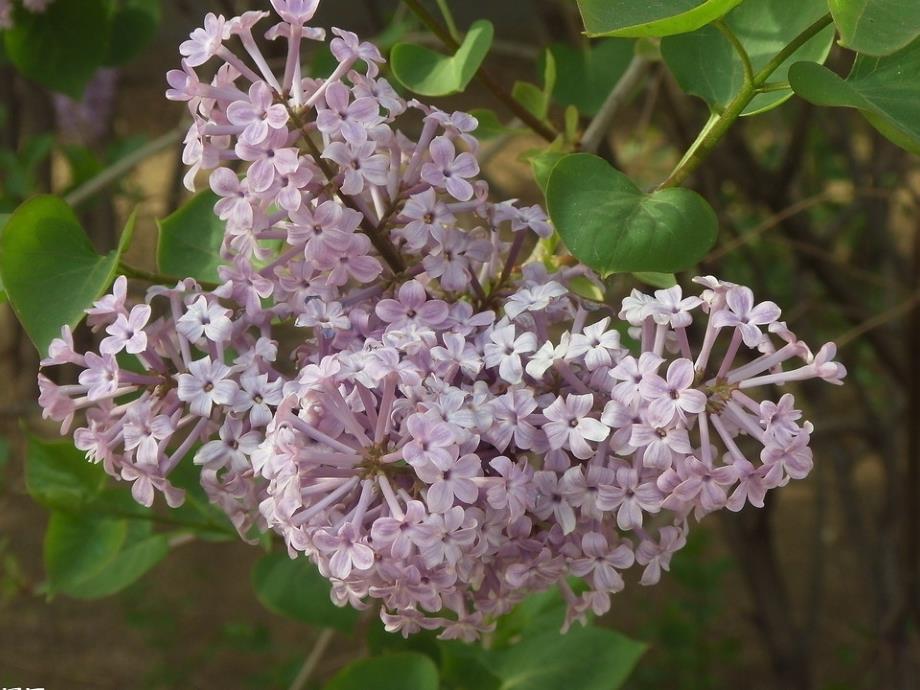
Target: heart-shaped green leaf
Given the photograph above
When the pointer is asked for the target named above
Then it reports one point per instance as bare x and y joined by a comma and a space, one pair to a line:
190, 239
884, 89
876, 27
50, 270
61, 47
293, 588
584, 76
635, 18
429, 73
404, 671
705, 64
611, 225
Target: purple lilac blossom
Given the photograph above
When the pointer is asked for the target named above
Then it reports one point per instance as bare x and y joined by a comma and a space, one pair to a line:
457, 431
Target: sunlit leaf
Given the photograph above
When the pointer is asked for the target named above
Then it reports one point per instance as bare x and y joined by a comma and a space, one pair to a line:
430, 73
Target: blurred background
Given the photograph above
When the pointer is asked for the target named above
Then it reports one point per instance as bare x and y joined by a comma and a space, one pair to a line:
817, 212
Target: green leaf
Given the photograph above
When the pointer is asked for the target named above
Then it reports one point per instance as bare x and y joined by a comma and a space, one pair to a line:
197, 508
587, 288
428, 73
293, 588
542, 163
190, 239
406, 671
586, 658
884, 89
133, 26
89, 557
61, 47
876, 27
658, 280
77, 548
705, 64
50, 270
463, 667
584, 76
634, 18
59, 476
611, 225
534, 616
490, 126
533, 98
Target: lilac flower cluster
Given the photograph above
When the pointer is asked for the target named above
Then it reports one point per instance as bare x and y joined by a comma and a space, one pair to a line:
378, 379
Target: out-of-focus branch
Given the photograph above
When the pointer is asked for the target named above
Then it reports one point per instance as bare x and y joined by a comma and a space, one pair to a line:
312, 660
117, 170
882, 319
603, 121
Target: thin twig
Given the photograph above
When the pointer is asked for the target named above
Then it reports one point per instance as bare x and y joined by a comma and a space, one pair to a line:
312, 660
777, 219
602, 122
886, 317
119, 168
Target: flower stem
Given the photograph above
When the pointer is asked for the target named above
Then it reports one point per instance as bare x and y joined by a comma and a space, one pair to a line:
720, 123
542, 128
